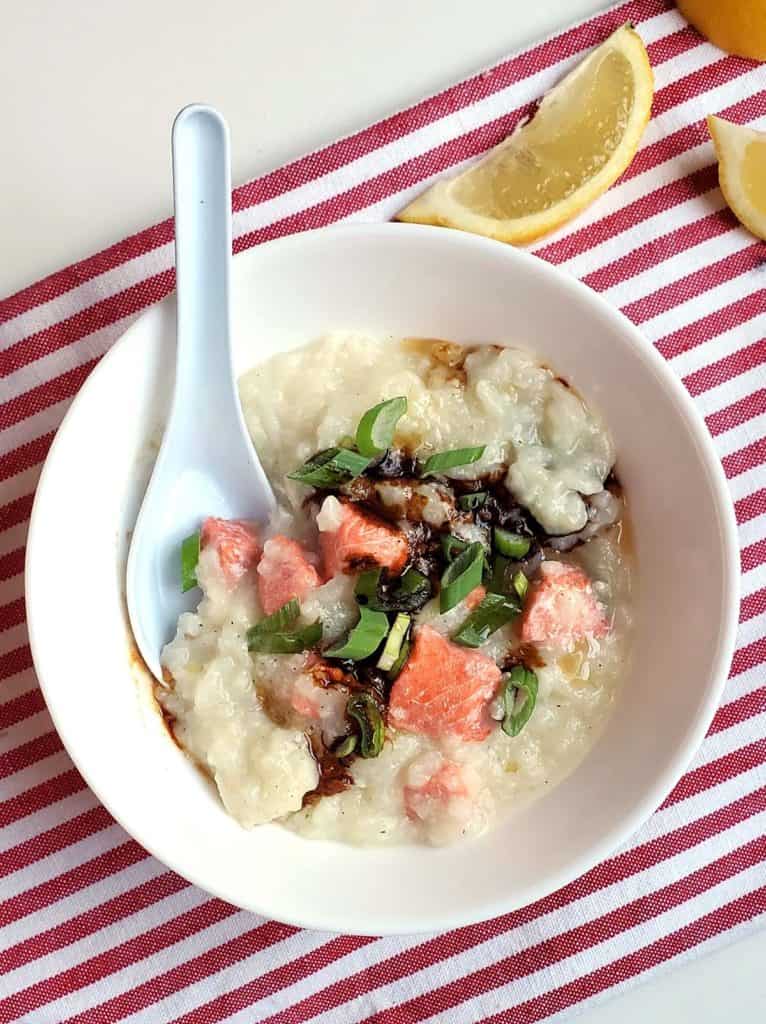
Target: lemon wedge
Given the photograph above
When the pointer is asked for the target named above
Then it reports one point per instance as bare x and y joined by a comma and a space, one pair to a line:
584, 134
738, 26
741, 153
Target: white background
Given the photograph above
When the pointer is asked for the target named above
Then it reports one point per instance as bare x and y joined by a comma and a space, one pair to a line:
88, 90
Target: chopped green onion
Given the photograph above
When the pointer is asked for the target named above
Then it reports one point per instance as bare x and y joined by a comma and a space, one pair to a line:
512, 545
330, 468
347, 441
398, 665
346, 746
394, 642
375, 432
518, 680
189, 559
280, 620
461, 576
364, 639
409, 594
284, 642
520, 584
453, 546
366, 588
498, 581
494, 611
468, 502
365, 712
450, 460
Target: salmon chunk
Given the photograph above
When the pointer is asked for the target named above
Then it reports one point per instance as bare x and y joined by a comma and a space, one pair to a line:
284, 572
432, 782
236, 544
443, 689
359, 540
561, 608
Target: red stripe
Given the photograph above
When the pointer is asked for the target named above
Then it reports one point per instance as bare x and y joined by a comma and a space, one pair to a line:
25, 456
737, 413
746, 458
29, 753
660, 249
739, 710
753, 555
735, 314
12, 614
13, 662
425, 954
734, 265
58, 888
724, 369
752, 605
723, 919
55, 839
121, 906
744, 659
37, 797
751, 506
576, 940
16, 512
28, 403
16, 710
722, 769
12, 563
436, 950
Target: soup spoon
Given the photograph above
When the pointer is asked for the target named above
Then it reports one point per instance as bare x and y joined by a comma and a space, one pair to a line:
206, 464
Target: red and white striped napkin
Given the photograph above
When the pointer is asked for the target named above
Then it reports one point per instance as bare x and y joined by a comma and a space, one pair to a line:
94, 930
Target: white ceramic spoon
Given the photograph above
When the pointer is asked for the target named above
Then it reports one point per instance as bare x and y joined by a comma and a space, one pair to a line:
206, 465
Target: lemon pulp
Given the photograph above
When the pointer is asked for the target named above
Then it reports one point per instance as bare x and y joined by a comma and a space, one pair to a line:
555, 155
754, 174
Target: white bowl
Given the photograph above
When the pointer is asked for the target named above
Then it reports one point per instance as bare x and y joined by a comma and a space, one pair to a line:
405, 280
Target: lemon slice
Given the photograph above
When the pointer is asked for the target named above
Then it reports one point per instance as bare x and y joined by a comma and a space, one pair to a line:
583, 136
741, 156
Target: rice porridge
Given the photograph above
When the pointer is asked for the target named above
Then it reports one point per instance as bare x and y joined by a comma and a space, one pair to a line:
432, 629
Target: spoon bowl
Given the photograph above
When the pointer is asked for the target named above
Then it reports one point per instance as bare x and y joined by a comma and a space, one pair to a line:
206, 464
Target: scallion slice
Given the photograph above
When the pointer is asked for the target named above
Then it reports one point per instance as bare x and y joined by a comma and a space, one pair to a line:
512, 545
499, 579
494, 611
404, 653
363, 710
442, 461
330, 468
394, 642
519, 681
375, 432
520, 584
408, 594
461, 576
469, 502
346, 746
189, 558
364, 639
284, 641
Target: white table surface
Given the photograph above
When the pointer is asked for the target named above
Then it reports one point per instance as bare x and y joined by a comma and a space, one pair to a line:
88, 91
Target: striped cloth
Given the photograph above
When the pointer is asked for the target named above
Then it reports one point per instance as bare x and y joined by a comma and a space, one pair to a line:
94, 930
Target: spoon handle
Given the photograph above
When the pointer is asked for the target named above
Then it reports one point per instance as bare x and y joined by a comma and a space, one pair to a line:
202, 197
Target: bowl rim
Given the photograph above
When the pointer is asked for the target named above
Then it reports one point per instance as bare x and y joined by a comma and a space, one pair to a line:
654, 796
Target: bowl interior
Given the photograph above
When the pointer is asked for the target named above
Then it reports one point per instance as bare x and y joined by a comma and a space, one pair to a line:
399, 280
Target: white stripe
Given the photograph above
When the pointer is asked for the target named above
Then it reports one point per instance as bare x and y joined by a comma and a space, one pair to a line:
745, 483
720, 345
13, 538
24, 732
10, 639
31, 827
737, 438
731, 391
701, 305
727, 741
